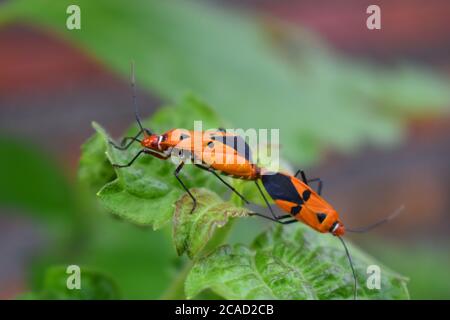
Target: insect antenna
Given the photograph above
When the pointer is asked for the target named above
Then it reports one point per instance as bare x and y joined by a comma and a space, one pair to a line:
136, 112
378, 223
351, 266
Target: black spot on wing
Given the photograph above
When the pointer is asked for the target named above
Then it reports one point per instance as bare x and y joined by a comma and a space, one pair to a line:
296, 210
280, 187
306, 194
237, 143
321, 217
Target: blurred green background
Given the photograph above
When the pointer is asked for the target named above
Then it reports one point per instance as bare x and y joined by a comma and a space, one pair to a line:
367, 111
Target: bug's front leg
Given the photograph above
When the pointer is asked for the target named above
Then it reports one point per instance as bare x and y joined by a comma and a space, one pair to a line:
176, 174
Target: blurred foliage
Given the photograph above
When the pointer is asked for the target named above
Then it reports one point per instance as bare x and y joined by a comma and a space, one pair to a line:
142, 263
292, 262
425, 264
248, 69
50, 192
95, 286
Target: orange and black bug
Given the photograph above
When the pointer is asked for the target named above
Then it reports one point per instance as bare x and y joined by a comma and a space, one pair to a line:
218, 151
302, 203
181, 144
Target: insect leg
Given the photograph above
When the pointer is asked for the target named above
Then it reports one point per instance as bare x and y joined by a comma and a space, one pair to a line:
267, 202
306, 181
176, 173
225, 183
319, 185
125, 147
302, 173
157, 155
122, 144
131, 162
274, 219
229, 186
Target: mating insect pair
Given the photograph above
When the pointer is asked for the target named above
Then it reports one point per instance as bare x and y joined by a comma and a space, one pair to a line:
292, 195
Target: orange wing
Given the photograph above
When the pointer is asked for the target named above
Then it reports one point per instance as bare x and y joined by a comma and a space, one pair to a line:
316, 212
215, 150
299, 200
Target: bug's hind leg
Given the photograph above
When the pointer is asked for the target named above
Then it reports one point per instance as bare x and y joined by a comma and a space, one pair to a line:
268, 204
229, 186
277, 220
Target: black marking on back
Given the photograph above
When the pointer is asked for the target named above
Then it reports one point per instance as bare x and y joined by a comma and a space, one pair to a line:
321, 216
280, 187
237, 143
183, 136
296, 210
306, 194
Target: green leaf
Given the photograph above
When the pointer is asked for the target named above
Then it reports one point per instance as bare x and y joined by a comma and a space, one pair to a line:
153, 211
292, 262
144, 193
191, 232
280, 76
94, 169
94, 286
